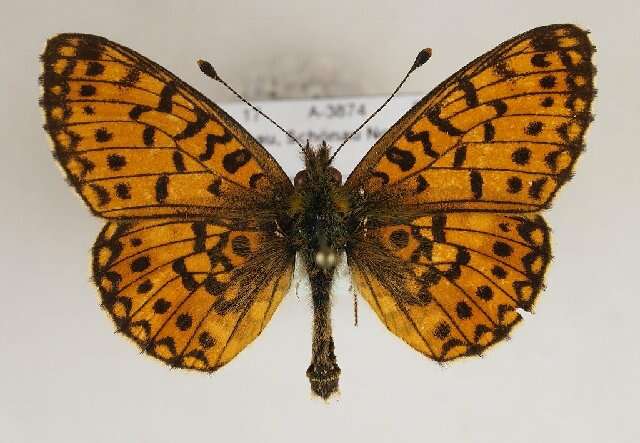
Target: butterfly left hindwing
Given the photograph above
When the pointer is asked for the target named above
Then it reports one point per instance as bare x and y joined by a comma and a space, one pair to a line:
190, 293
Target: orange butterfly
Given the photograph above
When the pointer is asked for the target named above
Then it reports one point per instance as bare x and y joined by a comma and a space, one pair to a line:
439, 221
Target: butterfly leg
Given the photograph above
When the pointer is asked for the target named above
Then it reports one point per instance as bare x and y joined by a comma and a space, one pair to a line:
323, 372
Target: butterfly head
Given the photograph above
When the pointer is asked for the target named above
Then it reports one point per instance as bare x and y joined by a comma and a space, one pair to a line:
319, 207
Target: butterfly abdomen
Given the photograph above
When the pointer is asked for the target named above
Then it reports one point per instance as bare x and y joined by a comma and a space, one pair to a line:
323, 372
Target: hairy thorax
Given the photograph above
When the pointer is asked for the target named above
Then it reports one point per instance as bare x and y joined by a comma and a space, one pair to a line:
319, 210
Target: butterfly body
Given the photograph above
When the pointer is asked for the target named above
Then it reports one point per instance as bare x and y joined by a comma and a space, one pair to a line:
439, 222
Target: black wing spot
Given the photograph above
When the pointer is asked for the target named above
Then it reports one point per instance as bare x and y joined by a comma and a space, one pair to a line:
102, 135
165, 104
502, 249
140, 264
422, 184
123, 191
423, 138
469, 92
438, 223
534, 128
184, 322
101, 193
235, 160
484, 292
548, 81
178, 161
399, 238
521, 156
535, 190
514, 185
214, 187
499, 272
137, 110
539, 61
475, 179
460, 156
116, 162
443, 125
253, 180
161, 306
489, 131
162, 188
442, 331
131, 78
404, 159
500, 107
148, 135
547, 102
87, 90
94, 68
206, 340
463, 310
144, 287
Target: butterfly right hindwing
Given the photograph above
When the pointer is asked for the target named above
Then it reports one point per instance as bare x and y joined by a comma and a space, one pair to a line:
450, 285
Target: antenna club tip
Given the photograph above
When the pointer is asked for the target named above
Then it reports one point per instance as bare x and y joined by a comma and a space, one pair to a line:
421, 58
207, 69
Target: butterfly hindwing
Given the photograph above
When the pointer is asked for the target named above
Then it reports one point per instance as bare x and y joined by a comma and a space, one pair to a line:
502, 134
136, 141
451, 284
192, 294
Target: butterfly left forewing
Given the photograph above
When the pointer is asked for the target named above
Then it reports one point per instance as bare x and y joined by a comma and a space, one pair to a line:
136, 141
450, 285
192, 294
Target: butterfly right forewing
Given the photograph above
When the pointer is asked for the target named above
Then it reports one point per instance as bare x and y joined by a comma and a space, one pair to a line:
502, 134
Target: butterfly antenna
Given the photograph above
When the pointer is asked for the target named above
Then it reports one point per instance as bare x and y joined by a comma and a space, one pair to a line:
208, 70
420, 60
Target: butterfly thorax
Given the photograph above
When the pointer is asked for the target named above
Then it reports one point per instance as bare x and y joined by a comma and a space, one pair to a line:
319, 209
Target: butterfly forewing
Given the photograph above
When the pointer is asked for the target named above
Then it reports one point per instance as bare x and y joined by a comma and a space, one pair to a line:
502, 134
136, 141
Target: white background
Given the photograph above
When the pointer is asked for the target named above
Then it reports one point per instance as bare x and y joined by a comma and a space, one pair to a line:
569, 374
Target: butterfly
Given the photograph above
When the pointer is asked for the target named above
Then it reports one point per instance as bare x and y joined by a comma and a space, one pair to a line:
439, 222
